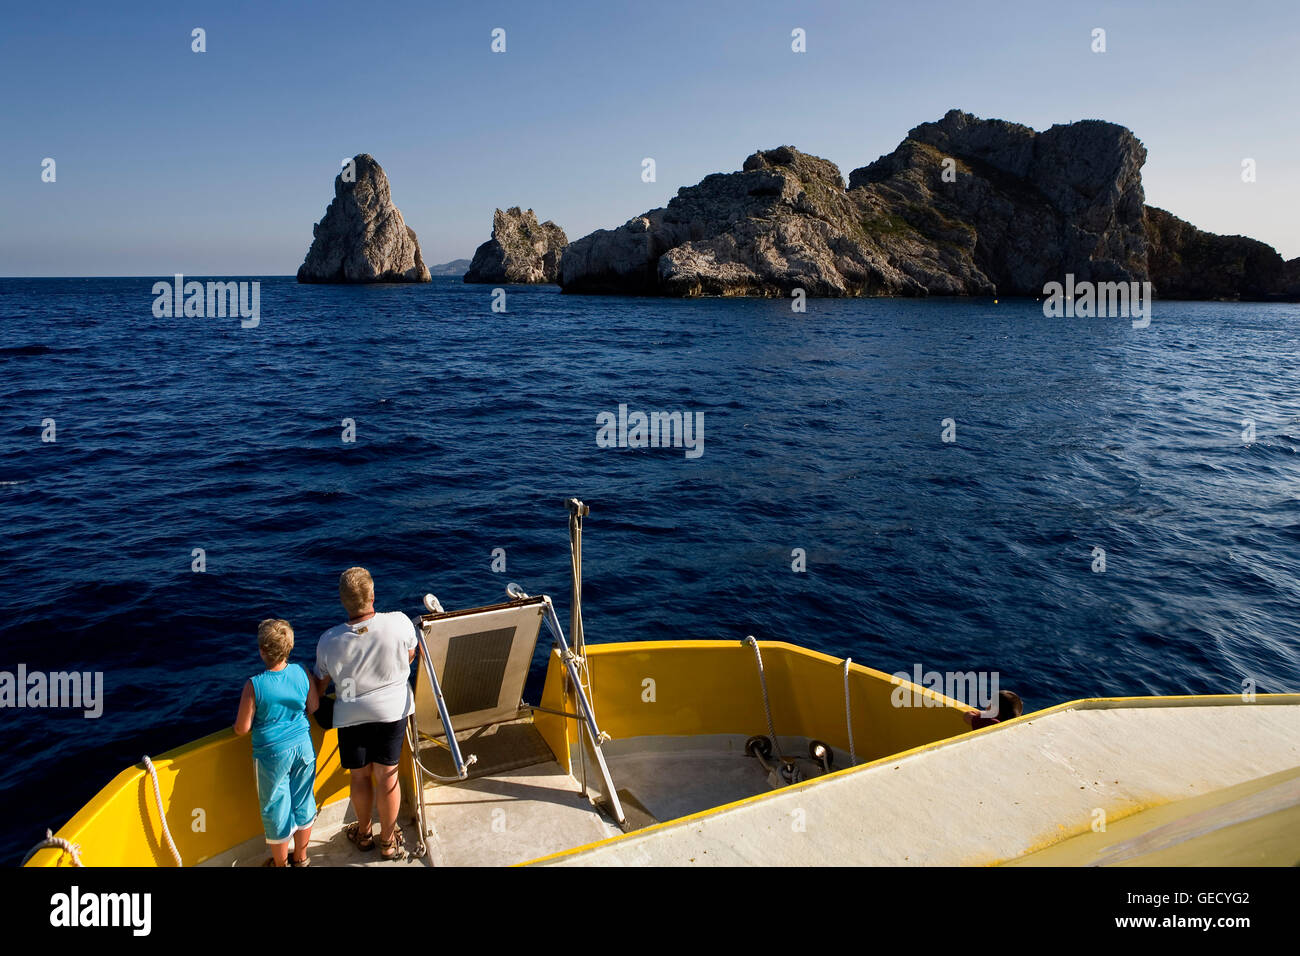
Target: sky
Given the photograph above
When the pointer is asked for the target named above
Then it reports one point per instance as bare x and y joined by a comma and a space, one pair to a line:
218, 163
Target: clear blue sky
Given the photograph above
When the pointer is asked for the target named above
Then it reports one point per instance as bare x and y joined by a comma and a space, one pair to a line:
218, 163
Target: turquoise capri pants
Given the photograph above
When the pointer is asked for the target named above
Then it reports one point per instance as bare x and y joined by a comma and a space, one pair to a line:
284, 789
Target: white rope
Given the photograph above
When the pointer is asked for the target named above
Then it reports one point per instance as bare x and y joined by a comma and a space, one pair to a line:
422, 813
767, 706
415, 755
848, 713
157, 793
72, 849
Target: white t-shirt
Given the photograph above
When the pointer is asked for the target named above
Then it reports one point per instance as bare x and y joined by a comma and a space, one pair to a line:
370, 666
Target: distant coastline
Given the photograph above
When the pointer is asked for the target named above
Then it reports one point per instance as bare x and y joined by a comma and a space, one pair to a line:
456, 267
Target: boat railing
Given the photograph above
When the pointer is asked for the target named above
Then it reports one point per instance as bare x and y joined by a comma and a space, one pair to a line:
585, 709
459, 762
453, 745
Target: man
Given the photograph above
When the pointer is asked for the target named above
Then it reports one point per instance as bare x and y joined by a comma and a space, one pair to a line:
369, 660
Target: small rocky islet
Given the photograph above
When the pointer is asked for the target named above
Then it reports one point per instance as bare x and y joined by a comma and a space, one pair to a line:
963, 206
521, 250
362, 237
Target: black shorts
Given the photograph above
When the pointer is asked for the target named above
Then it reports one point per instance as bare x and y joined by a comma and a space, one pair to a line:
371, 743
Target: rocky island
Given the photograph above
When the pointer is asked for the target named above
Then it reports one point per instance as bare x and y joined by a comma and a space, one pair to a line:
963, 206
521, 250
362, 237
1193, 264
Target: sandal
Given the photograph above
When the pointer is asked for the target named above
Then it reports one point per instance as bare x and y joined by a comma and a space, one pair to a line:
394, 848
363, 843
306, 861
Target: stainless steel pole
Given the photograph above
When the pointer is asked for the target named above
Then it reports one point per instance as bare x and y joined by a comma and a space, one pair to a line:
576, 511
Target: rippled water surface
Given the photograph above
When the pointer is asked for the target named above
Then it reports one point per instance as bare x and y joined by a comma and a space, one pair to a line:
822, 431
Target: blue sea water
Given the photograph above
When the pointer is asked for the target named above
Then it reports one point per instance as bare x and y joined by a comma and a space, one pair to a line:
822, 431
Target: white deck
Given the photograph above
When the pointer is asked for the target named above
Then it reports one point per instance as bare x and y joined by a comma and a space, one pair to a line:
988, 797
523, 813
328, 846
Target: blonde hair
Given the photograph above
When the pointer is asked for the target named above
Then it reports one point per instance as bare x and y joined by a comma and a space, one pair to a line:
356, 590
275, 639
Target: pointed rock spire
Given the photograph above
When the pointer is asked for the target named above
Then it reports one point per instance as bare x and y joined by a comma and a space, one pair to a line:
362, 237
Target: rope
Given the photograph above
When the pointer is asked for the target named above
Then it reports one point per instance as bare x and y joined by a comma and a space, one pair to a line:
422, 818
848, 713
767, 706
415, 755
162, 815
72, 849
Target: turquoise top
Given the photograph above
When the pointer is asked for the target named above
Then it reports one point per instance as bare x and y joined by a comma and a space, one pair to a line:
281, 717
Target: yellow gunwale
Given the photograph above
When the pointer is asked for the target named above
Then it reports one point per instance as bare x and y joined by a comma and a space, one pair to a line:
137, 776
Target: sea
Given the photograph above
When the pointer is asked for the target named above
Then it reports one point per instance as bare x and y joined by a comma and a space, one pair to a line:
1082, 507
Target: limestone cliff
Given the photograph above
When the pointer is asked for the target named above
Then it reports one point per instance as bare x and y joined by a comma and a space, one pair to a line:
1187, 263
963, 206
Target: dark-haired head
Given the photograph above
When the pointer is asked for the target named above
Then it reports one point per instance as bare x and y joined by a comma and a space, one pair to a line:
1009, 705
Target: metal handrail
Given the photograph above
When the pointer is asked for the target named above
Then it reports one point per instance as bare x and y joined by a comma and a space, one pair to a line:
453, 744
577, 511
588, 718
